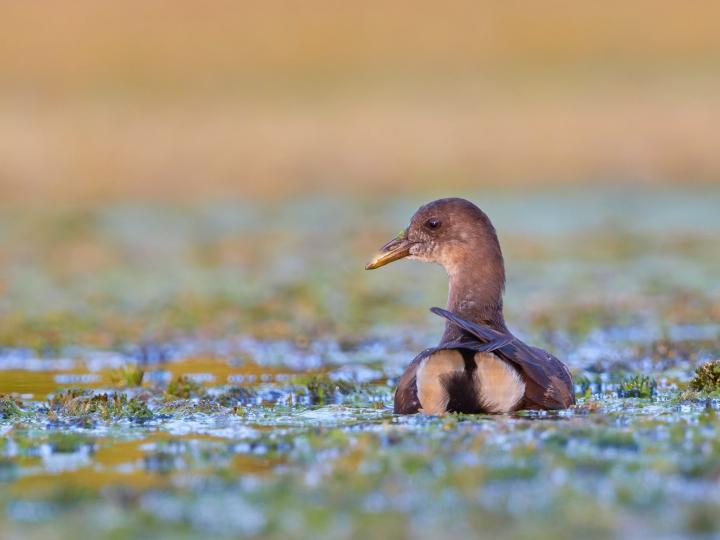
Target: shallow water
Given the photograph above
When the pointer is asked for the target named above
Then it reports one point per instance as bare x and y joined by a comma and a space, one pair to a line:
290, 352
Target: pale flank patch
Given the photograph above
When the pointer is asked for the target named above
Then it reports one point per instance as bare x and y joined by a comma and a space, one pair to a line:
432, 393
500, 386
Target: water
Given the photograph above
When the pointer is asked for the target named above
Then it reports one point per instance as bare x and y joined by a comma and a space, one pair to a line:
269, 358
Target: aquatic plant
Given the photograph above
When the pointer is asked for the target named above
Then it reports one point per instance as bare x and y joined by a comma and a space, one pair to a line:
637, 386
321, 389
184, 407
184, 388
84, 403
9, 408
129, 375
68, 401
584, 386
137, 409
235, 395
707, 377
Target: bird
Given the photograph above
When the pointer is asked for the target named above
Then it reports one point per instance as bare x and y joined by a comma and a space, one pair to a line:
479, 366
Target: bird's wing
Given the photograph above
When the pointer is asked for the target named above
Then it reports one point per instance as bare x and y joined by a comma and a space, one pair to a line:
480, 331
406, 398
548, 381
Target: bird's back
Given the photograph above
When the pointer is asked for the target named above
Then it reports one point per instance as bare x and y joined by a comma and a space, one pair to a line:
484, 371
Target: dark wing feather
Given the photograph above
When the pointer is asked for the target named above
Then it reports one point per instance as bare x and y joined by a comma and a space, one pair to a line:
561, 390
406, 398
548, 384
481, 332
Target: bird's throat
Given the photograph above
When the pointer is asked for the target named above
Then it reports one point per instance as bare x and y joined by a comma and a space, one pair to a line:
475, 294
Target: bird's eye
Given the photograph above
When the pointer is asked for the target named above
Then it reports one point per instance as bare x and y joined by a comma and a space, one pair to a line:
433, 223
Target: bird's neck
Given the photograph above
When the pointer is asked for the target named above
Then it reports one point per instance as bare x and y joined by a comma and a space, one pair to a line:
476, 287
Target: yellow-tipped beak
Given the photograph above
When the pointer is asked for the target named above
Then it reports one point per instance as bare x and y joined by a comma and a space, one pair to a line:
397, 248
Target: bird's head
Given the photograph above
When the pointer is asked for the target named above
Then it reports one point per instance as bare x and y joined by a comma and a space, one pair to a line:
449, 232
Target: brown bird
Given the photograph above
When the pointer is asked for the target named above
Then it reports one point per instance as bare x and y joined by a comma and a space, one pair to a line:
479, 365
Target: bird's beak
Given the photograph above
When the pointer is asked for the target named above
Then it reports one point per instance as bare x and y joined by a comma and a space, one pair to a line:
397, 248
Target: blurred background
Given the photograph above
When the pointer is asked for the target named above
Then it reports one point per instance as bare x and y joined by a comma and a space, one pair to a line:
180, 100
177, 165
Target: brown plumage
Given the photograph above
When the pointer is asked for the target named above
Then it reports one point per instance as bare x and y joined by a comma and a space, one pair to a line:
495, 371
